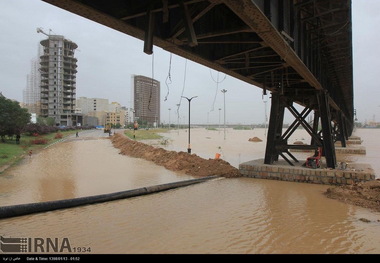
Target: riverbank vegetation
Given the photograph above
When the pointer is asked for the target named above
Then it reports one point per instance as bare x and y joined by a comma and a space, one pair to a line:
18, 135
13, 118
13, 149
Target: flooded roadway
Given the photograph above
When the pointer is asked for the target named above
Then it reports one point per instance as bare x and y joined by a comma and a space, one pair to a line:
240, 215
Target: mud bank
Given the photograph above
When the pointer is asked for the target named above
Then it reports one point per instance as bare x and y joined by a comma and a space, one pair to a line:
364, 194
190, 164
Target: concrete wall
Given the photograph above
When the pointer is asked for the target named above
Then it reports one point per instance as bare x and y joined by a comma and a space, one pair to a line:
256, 169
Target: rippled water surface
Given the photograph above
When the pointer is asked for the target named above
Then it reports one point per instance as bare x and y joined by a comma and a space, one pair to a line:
240, 215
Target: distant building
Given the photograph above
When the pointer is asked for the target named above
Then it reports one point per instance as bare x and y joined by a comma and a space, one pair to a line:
146, 100
58, 80
31, 94
33, 118
117, 119
372, 124
99, 111
86, 105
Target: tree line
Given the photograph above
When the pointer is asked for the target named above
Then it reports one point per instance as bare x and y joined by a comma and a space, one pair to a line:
13, 118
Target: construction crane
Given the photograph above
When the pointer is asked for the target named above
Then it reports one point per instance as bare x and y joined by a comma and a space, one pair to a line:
39, 30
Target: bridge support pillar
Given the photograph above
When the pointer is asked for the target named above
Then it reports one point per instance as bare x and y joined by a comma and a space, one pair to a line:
277, 140
342, 130
274, 129
328, 140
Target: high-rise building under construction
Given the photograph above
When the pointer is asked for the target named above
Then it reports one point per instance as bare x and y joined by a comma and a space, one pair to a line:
146, 100
31, 94
58, 68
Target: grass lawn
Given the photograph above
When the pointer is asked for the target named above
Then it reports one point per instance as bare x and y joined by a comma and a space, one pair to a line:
141, 134
10, 152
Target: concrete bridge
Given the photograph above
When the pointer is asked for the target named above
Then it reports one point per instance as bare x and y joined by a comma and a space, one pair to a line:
300, 51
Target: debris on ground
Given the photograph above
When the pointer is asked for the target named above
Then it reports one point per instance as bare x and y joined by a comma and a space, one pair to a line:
190, 164
364, 194
255, 139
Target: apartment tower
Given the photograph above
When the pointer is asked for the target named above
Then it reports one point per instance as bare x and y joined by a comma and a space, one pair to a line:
58, 68
146, 100
32, 93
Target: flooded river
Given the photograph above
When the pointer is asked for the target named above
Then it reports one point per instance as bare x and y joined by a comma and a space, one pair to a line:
240, 215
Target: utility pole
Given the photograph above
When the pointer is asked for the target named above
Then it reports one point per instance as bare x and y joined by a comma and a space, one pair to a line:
219, 118
169, 117
224, 94
189, 146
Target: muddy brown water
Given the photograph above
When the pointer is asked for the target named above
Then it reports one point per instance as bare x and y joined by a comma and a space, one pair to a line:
239, 215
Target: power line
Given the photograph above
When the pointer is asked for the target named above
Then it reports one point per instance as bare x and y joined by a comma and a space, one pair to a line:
217, 87
183, 87
151, 88
168, 78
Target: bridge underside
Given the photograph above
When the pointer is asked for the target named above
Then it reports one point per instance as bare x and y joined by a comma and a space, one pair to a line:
300, 51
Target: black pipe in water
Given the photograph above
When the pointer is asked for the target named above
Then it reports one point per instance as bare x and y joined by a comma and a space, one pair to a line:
25, 209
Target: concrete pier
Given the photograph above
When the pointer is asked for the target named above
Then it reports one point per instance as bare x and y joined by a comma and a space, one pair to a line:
353, 147
353, 173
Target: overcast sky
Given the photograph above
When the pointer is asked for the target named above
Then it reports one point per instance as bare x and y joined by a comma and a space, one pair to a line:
108, 58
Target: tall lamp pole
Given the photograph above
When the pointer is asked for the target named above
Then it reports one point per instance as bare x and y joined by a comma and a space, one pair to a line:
178, 117
224, 93
169, 117
189, 147
219, 117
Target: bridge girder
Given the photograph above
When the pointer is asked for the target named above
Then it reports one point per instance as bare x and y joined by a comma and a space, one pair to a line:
295, 48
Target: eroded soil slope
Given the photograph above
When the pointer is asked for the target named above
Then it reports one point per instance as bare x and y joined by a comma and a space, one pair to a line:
364, 194
190, 164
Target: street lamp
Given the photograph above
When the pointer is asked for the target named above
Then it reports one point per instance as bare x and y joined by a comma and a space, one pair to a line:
189, 147
224, 93
178, 117
219, 118
169, 117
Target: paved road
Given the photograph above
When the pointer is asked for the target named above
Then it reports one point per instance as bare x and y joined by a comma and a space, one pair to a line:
91, 135
86, 135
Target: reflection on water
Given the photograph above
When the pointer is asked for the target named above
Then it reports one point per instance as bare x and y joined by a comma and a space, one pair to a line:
78, 168
240, 215
371, 142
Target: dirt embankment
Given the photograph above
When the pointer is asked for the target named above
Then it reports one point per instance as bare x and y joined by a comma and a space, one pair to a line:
364, 194
175, 161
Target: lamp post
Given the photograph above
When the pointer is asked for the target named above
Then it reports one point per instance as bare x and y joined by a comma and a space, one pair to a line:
189, 100
219, 118
169, 117
178, 118
224, 93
